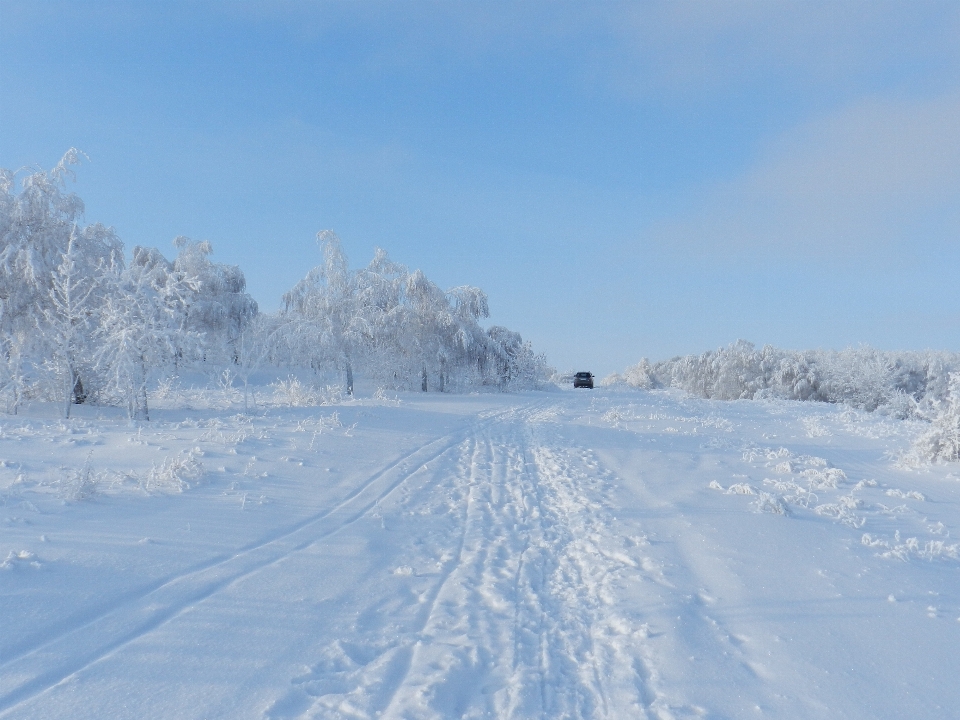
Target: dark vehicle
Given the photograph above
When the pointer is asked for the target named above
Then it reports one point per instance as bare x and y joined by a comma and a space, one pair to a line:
583, 379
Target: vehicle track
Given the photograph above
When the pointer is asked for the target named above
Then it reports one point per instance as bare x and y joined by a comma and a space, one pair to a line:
522, 609
34, 670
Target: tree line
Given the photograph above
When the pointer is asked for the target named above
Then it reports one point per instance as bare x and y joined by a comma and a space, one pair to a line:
81, 322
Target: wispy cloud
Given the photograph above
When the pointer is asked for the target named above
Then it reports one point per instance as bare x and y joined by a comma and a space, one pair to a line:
881, 174
687, 51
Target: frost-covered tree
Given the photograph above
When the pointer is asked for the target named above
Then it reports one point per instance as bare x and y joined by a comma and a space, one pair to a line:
326, 306
48, 264
259, 339
467, 345
144, 326
640, 376
380, 298
76, 322
427, 323
12, 376
219, 308
36, 226
68, 322
400, 327
516, 365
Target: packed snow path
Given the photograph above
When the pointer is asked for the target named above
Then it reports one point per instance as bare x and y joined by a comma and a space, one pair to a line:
554, 555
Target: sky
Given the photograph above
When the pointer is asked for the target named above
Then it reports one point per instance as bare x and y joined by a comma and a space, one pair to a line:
624, 180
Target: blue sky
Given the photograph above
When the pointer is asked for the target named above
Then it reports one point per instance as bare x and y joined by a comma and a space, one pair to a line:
623, 179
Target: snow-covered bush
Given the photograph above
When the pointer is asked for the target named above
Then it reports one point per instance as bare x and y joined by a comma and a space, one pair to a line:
81, 483
174, 474
942, 441
293, 393
640, 376
901, 384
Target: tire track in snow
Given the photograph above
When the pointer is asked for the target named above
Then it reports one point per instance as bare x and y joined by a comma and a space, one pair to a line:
466, 624
347, 683
579, 604
38, 669
522, 624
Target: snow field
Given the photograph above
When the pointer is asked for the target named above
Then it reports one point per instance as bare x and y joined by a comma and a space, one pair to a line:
549, 555
790, 613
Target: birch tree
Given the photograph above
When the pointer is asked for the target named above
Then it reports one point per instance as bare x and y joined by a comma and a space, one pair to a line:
68, 323
143, 326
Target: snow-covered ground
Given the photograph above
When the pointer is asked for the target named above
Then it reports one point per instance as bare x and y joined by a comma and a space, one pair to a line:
604, 554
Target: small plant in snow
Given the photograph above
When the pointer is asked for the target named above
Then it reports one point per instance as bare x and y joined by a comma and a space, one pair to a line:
792, 492
174, 474
381, 395
911, 547
331, 395
225, 382
767, 502
293, 393
166, 387
912, 494
822, 479
81, 483
843, 511
331, 421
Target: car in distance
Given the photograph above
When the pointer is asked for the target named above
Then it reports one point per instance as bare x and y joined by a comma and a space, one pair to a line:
583, 379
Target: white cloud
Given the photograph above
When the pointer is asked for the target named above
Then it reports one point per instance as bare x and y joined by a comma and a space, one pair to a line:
688, 51
881, 174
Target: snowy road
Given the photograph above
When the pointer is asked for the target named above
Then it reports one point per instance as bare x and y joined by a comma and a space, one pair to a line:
555, 555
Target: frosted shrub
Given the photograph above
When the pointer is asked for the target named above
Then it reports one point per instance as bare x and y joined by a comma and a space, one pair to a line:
293, 393
331, 395
769, 503
902, 384
911, 547
638, 376
174, 474
862, 378
81, 483
382, 395
942, 441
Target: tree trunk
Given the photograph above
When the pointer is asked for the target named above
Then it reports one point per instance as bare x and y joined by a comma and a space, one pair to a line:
79, 394
68, 382
349, 370
423, 383
138, 402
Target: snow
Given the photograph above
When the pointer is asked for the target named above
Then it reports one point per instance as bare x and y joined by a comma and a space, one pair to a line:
592, 554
